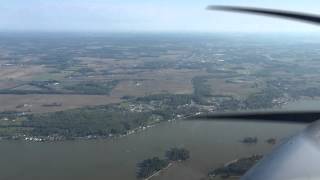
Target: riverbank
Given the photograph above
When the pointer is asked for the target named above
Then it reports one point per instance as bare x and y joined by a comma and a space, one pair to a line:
158, 172
235, 168
59, 138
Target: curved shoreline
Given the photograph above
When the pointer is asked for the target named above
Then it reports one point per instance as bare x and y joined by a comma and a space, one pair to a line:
158, 172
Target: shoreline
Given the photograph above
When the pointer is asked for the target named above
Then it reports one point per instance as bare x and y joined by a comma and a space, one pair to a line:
158, 172
46, 139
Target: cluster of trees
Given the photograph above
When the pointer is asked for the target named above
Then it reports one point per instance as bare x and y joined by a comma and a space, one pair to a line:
229, 103
250, 140
22, 92
168, 99
85, 70
149, 166
310, 92
99, 121
60, 60
170, 105
156, 65
262, 99
93, 87
9, 114
201, 89
177, 154
43, 84
237, 168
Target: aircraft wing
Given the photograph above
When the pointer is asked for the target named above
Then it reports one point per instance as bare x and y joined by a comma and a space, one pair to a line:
296, 159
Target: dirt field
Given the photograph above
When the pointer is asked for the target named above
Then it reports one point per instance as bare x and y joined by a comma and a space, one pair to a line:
36, 103
20, 72
7, 84
155, 82
240, 89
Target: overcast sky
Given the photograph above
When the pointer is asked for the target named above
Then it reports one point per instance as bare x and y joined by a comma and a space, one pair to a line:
147, 15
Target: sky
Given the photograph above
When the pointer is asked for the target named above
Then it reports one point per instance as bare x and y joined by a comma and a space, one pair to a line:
147, 16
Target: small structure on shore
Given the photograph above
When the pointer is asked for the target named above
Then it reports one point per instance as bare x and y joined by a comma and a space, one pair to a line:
250, 140
271, 141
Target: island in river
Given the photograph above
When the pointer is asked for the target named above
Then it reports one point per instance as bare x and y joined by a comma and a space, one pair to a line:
151, 167
236, 168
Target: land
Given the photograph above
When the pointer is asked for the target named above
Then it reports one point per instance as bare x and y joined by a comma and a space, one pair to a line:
79, 86
154, 166
250, 140
235, 169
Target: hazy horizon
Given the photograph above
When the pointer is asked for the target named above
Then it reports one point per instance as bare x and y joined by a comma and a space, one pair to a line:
147, 16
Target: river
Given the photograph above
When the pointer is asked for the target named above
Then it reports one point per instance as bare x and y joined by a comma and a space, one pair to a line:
210, 143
